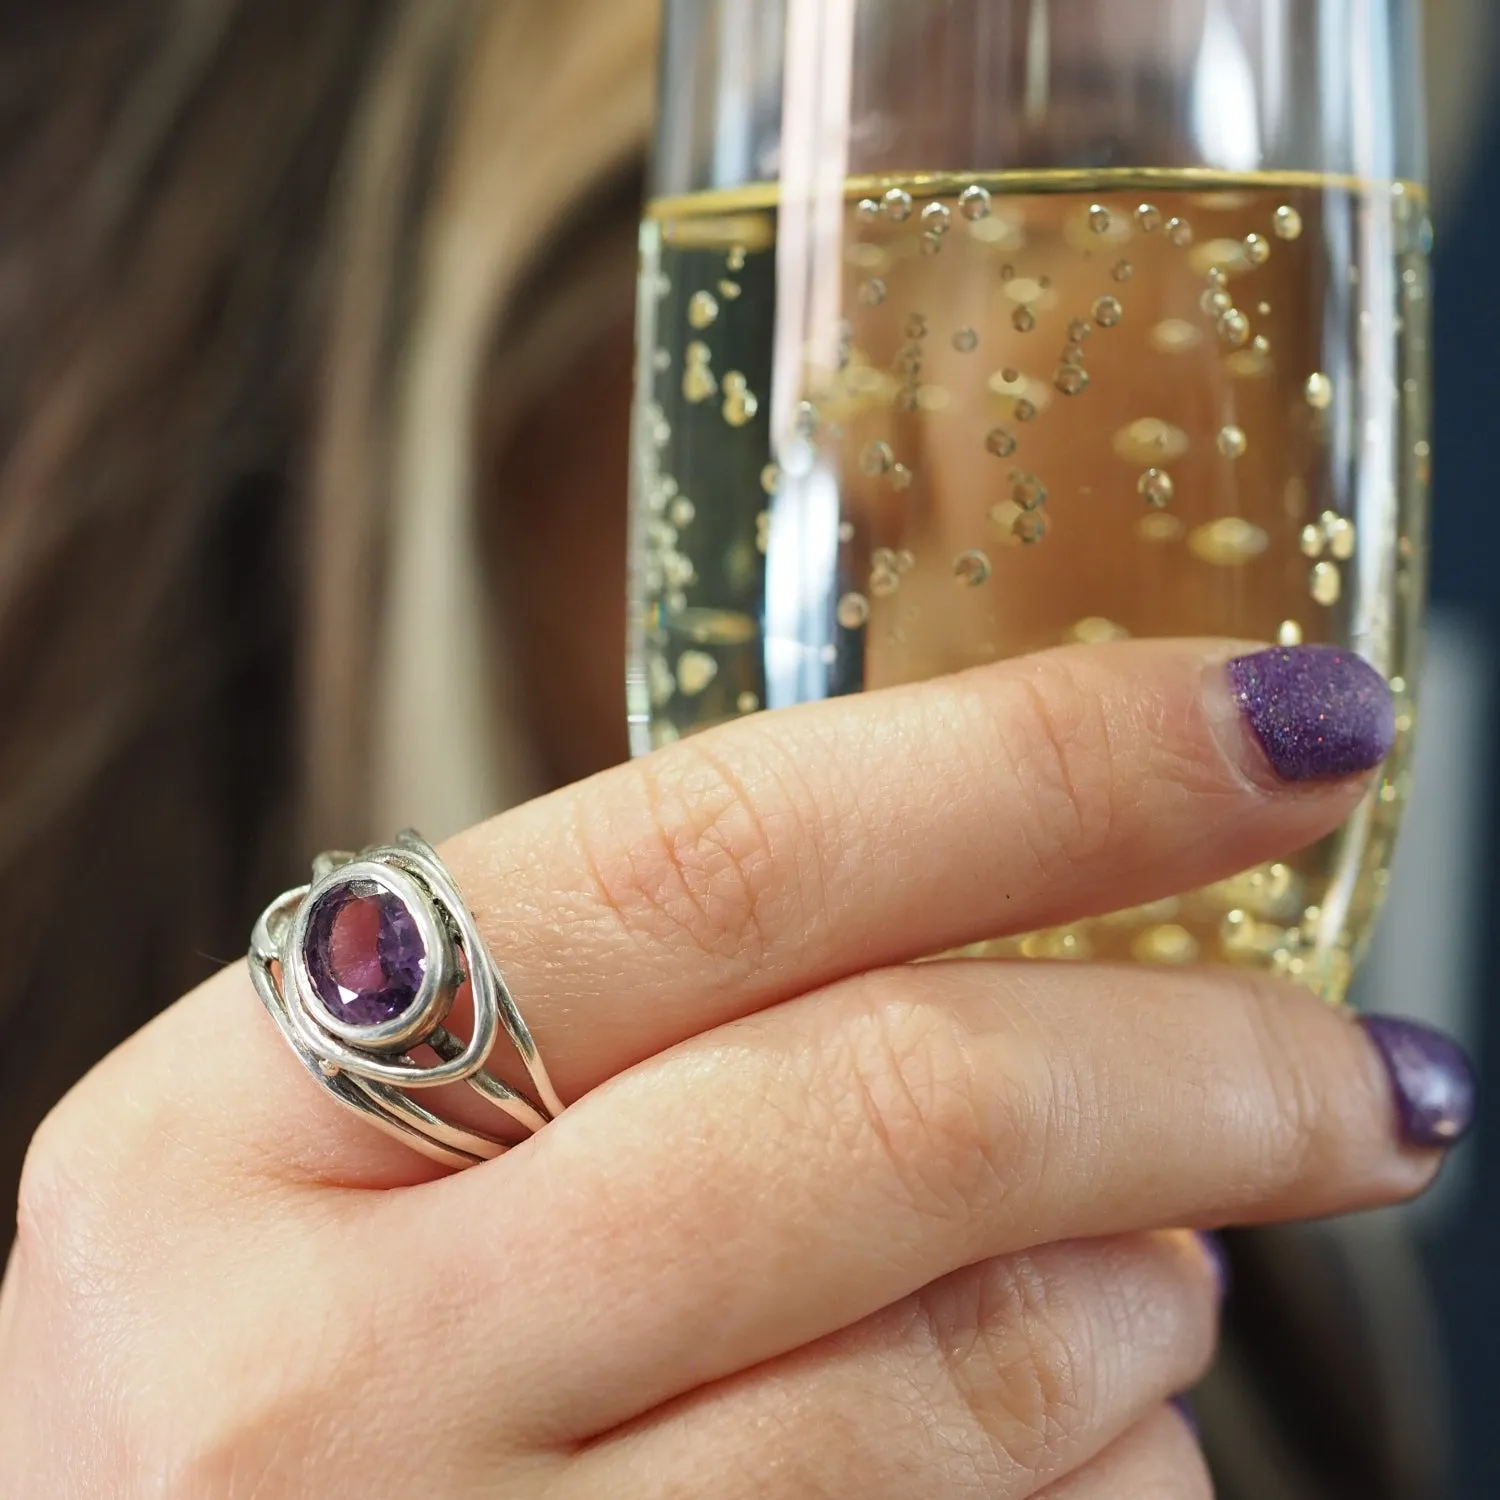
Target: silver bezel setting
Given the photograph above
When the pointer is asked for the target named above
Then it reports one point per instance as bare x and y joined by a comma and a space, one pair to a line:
369, 1068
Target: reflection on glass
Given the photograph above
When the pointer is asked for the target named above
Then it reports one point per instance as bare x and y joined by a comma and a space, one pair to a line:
973, 327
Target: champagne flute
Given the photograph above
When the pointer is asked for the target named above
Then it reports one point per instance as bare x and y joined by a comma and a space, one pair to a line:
972, 327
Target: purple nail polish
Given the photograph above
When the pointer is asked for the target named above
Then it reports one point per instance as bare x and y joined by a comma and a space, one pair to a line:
1184, 1409
1320, 713
1433, 1079
1218, 1259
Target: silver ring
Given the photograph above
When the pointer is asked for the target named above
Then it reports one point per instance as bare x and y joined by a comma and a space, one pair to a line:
360, 970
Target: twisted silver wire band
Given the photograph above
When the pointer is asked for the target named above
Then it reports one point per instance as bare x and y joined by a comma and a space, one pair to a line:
370, 1068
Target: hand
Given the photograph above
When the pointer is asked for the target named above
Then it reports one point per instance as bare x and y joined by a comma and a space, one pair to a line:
822, 1222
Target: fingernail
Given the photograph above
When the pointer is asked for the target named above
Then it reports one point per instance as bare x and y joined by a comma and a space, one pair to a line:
1184, 1409
1320, 713
1432, 1077
1218, 1260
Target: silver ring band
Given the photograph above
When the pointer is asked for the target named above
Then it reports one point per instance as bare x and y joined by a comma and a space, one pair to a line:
360, 970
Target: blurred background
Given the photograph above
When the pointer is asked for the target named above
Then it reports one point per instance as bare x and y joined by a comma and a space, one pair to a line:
1439, 948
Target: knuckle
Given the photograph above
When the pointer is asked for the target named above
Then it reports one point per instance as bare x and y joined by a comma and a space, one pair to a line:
1055, 740
78, 1287
109, 1278
710, 856
99, 1172
274, 1425
1282, 1103
149, 1352
43, 1190
1015, 1358
1298, 1134
66, 1226
905, 1087
110, 1282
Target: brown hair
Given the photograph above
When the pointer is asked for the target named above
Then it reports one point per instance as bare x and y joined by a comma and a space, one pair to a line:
239, 243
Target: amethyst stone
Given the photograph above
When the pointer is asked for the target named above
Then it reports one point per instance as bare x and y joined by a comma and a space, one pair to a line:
364, 953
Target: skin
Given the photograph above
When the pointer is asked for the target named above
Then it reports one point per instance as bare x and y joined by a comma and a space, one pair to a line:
821, 1222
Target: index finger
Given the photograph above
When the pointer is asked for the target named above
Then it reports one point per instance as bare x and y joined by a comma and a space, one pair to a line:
760, 861
790, 850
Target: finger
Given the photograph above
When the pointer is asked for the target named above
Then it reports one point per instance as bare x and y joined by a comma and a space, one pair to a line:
793, 1173
784, 851
992, 1382
665, 897
1160, 1459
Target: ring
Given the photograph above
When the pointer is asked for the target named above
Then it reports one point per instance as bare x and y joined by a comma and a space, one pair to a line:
360, 970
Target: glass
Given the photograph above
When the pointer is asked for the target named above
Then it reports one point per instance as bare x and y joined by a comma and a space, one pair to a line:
972, 327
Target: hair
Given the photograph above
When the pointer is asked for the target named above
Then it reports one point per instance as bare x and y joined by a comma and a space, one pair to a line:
258, 265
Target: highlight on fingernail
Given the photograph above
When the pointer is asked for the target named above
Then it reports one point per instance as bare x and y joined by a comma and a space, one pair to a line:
1431, 1077
1320, 713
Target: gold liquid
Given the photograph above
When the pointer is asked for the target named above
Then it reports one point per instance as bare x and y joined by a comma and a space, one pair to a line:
1015, 411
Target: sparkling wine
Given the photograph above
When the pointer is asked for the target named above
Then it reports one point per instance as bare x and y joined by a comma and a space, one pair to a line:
1002, 413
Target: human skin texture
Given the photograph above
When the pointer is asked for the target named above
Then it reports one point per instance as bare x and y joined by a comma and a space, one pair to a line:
820, 1220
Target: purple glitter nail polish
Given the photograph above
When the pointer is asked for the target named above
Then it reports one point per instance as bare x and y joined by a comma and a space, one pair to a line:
1320, 713
1432, 1077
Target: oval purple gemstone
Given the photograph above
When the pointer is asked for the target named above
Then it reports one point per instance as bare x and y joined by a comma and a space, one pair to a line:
364, 953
